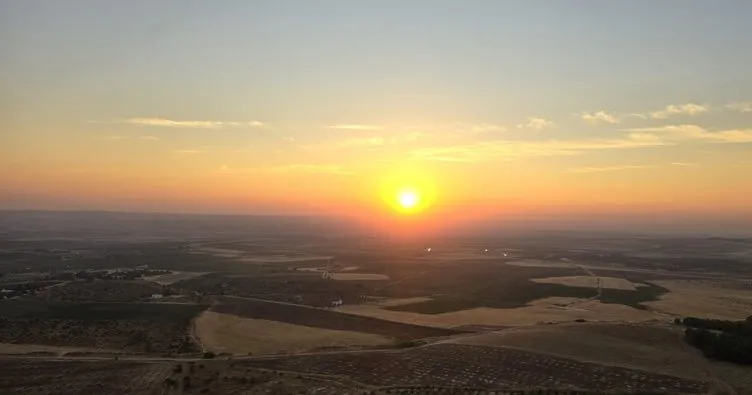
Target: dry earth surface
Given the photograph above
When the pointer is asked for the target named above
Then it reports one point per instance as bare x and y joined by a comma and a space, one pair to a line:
229, 333
708, 299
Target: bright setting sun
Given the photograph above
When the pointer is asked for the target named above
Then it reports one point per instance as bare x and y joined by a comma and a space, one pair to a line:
408, 199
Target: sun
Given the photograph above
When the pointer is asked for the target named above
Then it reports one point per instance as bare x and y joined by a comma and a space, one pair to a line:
408, 199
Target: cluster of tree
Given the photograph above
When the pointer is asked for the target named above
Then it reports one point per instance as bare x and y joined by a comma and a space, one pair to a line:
723, 340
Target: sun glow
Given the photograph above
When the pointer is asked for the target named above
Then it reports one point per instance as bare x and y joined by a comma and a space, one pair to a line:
408, 199
408, 190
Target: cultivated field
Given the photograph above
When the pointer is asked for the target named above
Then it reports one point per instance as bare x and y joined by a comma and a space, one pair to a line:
651, 346
226, 333
589, 282
135, 327
481, 367
555, 309
730, 300
27, 376
103, 291
324, 318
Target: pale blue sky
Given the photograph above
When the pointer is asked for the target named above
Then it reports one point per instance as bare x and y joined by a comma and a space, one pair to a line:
460, 86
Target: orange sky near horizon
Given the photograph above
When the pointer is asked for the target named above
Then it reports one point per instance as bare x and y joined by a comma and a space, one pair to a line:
252, 108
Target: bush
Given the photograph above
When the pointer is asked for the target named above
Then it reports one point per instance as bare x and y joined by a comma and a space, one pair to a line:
209, 355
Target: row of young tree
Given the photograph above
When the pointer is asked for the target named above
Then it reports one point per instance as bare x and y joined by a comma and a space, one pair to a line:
723, 340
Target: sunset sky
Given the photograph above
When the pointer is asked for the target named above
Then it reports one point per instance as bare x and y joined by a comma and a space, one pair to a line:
486, 108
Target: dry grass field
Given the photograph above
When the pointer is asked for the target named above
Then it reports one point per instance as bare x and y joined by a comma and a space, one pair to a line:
227, 333
699, 298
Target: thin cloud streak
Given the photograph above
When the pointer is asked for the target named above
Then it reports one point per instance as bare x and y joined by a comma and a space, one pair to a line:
536, 124
187, 151
354, 127
292, 168
495, 151
598, 117
698, 133
690, 109
171, 123
608, 168
740, 106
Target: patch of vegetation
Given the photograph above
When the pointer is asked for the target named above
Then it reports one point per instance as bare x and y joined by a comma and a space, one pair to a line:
41, 309
509, 296
520, 294
723, 340
633, 298
139, 327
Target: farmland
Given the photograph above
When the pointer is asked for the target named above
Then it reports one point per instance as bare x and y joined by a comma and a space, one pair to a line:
350, 314
27, 376
231, 334
159, 328
103, 291
321, 318
453, 365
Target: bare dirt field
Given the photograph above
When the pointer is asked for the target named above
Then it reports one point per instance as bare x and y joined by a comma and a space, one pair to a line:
701, 298
359, 276
228, 333
556, 309
589, 282
27, 376
167, 279
481, 367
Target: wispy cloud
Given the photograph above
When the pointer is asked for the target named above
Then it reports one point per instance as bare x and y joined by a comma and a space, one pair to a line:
150, 138
354, 127
536, 124
171, 123
187, 151
690, 109
365, 142
316, 169
607, 168
511, 150
684, 164
600, 116
740, 106
694, 132
291, 168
